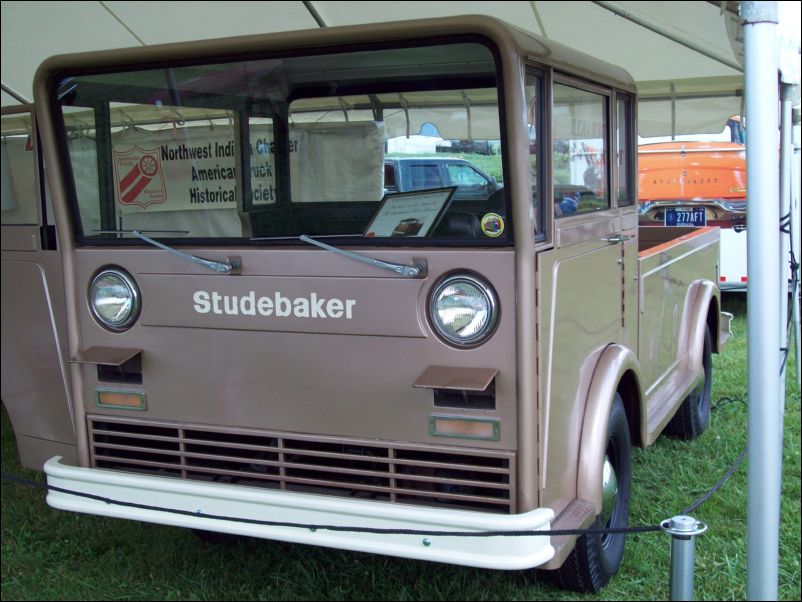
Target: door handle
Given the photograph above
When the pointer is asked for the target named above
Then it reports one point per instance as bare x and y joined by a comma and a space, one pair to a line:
617, 238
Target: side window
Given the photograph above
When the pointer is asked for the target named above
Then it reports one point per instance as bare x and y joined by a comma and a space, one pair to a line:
623, 151
533, 92
424, 176
465, 175
580, 151
19, 197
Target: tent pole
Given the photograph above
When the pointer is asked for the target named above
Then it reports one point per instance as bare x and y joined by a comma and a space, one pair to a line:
795, 246
15, 95
314, 12
786, 149
759, 21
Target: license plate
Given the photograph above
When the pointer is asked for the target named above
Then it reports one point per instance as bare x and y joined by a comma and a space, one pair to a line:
686, 217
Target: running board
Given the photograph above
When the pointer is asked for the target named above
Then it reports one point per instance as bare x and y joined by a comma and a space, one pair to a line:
579, 514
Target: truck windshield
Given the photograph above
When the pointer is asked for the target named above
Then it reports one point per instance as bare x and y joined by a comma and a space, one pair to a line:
274, 148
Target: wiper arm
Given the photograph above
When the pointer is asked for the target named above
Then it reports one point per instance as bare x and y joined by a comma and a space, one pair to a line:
218, 266
407, 271
132, 231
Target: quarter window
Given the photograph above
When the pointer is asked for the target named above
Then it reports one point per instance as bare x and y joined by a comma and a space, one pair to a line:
623, 151
533, 91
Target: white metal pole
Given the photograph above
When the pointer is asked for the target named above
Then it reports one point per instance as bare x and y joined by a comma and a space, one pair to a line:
763, 246
796, 222
786, 150
683, 531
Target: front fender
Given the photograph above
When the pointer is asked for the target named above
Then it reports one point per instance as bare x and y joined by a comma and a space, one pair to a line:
614, 363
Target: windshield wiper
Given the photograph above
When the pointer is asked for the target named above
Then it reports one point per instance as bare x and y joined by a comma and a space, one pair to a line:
407, 271
132, 231
218, 266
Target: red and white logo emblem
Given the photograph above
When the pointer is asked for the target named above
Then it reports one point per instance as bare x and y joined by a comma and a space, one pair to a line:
139, 177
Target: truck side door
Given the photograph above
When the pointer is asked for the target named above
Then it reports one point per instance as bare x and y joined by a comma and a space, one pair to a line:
581, 277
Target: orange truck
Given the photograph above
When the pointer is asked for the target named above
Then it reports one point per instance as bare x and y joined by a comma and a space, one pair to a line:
697, 184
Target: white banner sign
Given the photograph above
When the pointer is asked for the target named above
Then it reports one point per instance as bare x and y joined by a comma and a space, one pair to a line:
193, 167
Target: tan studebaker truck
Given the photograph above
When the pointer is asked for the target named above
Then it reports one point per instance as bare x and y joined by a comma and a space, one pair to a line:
222, 313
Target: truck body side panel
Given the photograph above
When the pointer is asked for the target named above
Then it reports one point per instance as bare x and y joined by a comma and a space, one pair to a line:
666, 272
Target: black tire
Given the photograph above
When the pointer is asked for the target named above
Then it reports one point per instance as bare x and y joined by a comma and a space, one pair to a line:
597, 557
693, 415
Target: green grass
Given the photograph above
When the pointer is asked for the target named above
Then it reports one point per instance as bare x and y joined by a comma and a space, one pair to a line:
54, 555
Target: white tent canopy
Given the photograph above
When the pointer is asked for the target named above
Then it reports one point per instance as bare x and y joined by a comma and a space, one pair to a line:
33, 31
679, 53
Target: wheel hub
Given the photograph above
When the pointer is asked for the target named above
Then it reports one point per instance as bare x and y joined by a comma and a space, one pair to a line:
609, 490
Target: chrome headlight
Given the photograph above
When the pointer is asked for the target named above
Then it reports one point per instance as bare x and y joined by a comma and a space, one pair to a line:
463, 309
114, 298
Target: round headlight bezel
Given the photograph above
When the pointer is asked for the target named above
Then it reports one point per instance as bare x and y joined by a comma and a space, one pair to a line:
126, 280
490, 297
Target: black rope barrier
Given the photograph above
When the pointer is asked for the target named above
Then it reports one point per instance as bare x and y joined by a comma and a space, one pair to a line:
724, 401
719, 484
793, 284
785, 223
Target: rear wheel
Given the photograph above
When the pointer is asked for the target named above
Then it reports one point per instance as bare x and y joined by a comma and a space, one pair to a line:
693, 415
597, 557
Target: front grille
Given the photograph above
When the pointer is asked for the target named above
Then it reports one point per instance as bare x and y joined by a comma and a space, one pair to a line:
438, 476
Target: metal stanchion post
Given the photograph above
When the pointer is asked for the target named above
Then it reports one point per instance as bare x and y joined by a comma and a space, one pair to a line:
683, 531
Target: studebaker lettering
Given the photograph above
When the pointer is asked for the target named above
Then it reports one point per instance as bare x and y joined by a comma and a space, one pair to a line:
278, 305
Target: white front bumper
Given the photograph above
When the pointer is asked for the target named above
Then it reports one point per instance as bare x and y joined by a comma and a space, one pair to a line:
236, 501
